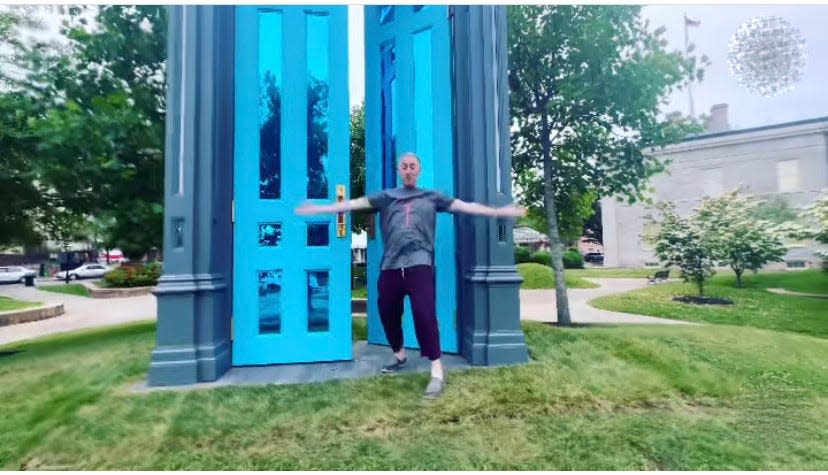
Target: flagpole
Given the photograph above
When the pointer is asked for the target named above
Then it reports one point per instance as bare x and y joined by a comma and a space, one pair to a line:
689, 81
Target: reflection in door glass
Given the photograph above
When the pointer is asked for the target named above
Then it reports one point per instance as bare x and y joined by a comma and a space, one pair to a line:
386, 14
270, 234
270, 301
317, 54
317, 234
318, 301
389, 127
270, 104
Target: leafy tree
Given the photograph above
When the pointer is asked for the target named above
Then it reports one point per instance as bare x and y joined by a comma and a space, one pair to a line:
813, 225
817, 216
681, 242
100, 140
317, 146
587, 84
775, 210
22, 200
734, 236
358, 163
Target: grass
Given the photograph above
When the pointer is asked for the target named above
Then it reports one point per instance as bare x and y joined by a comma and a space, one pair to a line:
614, 272
753, 305
8, 304
603, 398
811, 281
535, 276
359, 293
539, 276
72, 289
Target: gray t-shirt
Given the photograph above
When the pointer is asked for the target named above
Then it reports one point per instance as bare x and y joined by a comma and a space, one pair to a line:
407, 222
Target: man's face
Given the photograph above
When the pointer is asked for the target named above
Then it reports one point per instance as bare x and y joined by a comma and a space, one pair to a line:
410, 170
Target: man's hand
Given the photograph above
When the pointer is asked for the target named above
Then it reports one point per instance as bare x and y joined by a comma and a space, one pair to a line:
511, 211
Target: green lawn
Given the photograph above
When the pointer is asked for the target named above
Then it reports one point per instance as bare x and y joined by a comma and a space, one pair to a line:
8, 304
754, 306
539, 276
811, 281
535, 276
630, 273
72, 289
603, 398
359, 293
602, 273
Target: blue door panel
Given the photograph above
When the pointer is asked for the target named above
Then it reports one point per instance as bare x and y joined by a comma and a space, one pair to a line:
291, 282
408, 107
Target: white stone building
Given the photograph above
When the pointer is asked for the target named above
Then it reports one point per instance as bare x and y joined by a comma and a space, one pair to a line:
787, 160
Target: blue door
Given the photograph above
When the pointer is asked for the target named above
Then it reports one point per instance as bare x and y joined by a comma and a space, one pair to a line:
291, 281
408, 107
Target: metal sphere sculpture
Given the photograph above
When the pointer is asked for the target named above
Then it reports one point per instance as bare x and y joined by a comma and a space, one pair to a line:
767, 56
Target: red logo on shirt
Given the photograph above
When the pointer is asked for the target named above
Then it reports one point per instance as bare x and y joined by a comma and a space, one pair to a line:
408, 215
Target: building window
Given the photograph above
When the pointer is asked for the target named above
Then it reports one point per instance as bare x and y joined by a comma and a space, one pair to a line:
787, 176
797, 264
712, 181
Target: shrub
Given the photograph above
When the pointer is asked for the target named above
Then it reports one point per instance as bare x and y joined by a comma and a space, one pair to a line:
522, 255
542, 257
573, 259
536, 276
134, 275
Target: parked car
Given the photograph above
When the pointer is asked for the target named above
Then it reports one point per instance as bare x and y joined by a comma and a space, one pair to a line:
588, 245
86, 271
594, 257
15, 274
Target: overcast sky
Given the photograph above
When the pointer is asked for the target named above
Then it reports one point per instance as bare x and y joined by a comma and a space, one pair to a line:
808, 99
718, 23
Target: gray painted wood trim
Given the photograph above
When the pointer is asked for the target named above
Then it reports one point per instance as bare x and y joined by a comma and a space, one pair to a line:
489, 303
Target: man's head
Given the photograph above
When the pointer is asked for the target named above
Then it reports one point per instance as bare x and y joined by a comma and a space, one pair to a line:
409, 168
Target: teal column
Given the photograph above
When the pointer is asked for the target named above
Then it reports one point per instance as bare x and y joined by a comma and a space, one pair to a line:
489, 284
194, 301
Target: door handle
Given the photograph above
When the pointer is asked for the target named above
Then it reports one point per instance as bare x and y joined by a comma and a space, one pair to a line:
341, 230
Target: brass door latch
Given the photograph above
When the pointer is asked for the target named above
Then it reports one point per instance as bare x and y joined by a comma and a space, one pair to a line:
341, 230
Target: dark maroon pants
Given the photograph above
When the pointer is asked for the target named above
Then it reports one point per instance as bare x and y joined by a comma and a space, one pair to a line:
418, 283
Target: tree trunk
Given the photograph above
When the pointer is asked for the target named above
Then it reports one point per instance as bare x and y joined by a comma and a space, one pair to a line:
700, 283
738, 276
564, 318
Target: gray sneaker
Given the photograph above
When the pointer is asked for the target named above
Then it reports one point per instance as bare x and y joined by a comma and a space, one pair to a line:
434, 388
395, 366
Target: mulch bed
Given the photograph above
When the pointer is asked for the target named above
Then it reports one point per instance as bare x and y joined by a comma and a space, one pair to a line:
703, 300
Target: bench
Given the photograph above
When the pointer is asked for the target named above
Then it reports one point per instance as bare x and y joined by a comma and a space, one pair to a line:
659, 276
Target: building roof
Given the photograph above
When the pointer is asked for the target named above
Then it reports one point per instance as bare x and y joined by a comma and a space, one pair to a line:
783, 125
525, 235
737, 135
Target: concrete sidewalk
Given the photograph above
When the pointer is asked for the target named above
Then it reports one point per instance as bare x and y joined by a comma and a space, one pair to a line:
539, 305
80, 312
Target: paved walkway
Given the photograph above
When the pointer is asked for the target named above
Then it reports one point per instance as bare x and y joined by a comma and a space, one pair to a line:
539, 305
79, 312
84, 312
797, 294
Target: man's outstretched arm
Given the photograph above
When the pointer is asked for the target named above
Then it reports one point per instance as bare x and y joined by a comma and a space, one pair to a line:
341, 207
510, 210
